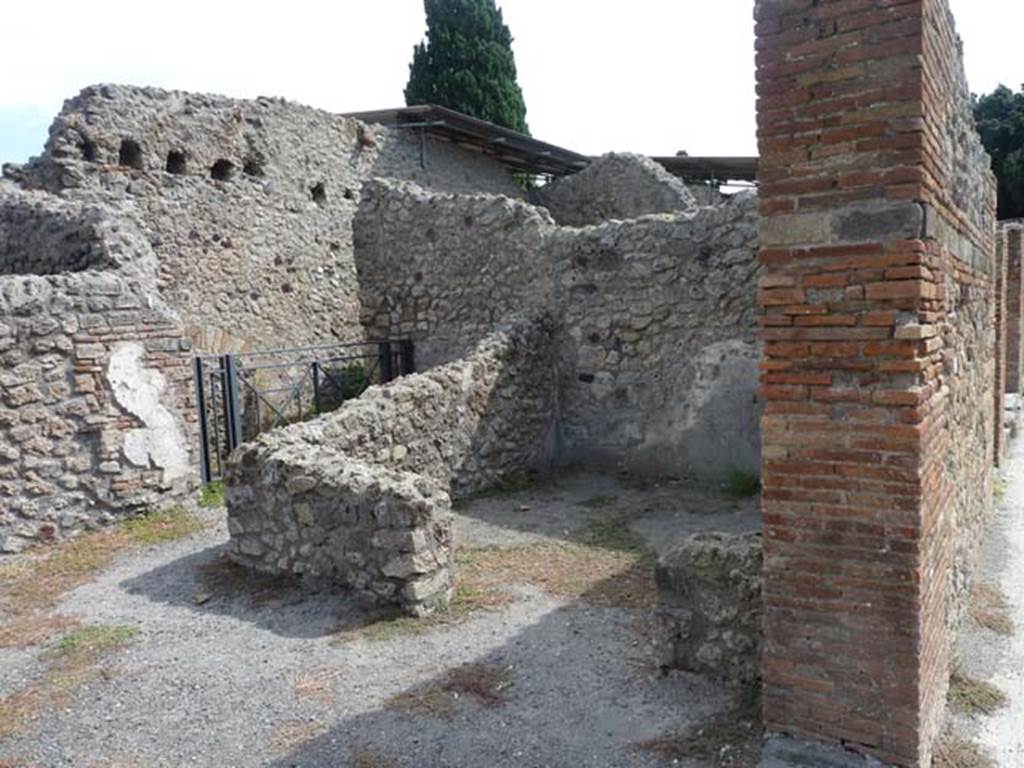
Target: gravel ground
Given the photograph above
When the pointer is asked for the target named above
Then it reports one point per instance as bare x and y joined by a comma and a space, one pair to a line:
256, 675
995, 658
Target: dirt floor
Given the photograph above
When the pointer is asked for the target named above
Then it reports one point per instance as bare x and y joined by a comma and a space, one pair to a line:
146, 648
985, 719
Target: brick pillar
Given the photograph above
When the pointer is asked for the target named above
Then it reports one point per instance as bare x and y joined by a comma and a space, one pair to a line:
999, 391
870, 265
1014, 308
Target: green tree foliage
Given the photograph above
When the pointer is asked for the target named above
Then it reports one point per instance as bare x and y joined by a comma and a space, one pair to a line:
1000, 118
466, 63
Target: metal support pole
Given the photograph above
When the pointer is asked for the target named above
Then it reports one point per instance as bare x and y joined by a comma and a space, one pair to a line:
204, 436
423, 148
408, 357
315, 370
387, 372
233, 412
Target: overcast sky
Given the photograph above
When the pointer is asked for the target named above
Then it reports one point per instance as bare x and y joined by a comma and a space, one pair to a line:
652, 76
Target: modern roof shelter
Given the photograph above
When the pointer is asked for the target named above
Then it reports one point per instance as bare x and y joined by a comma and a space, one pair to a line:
716, 168
516, 150
520, 152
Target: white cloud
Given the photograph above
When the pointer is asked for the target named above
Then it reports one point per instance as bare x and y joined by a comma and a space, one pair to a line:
646, 75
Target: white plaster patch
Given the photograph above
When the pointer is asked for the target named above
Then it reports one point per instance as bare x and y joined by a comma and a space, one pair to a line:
731, 364
138, 390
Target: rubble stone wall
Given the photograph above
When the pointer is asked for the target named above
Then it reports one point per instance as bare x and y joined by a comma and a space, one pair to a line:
444, 270
362, 497
710, 607
655, 317
248, 204
657, 348
95, 377
615, 186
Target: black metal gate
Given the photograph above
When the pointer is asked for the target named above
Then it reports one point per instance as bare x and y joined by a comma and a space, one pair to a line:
239, 396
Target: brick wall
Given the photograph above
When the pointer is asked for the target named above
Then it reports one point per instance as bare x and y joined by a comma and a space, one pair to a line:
1014, 306
878, 370
1001, 354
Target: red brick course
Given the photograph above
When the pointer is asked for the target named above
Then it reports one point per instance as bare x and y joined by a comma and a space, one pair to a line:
878, 277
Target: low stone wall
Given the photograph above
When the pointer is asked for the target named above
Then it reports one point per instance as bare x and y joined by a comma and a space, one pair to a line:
94, 379
709, 605
361, 497
655, 318
615, 186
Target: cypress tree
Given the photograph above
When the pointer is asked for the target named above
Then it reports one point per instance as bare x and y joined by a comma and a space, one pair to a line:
466, 63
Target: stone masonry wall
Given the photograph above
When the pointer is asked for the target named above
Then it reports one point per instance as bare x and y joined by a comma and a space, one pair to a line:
657, 348
615, 186
1014, 234
654, 317
443, 270
999, 352
95, 376
36, 238
361, 497
248, 204
709, 605
877, 237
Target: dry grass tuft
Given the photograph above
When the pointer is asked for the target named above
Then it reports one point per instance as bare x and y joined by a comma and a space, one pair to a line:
608, 564
605, 576
600, 501
730, 740
954, 751
88, 643
365, 758
972, 696
292, 735
989, 609
36, 582
488, 684
471, 595
161, 527
33, 629
72, 663
318, 684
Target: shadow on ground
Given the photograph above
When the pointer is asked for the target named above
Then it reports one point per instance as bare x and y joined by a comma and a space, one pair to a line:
563, 671
207, 582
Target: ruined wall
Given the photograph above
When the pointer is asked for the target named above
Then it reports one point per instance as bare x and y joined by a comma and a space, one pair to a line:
1014, 234
247, 204
877, 238
655, 317
657, 350
999, 352
44, 240
957, 492
708, 618
95, 374
362, 496
615, 186
443, 270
